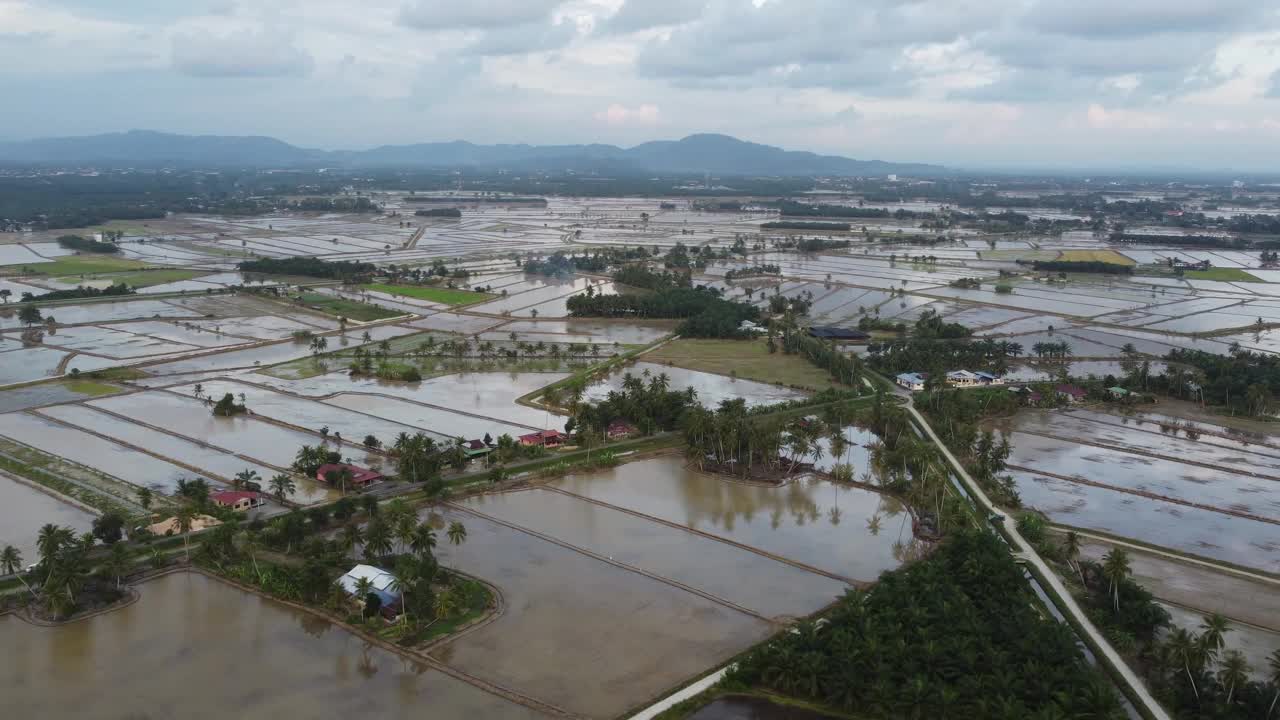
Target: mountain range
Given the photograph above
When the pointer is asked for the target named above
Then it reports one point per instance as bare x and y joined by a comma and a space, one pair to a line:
695, 154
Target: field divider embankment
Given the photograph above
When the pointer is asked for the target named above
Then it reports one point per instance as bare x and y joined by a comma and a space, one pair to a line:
180, 436
251, 416
709, 536
1259, 441
616, 563
1170, 554
1148, 454
138, 448
1148, 495
127, 501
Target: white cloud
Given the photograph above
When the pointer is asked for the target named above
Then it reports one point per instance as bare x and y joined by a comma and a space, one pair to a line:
619, 114
248, 53
475, 14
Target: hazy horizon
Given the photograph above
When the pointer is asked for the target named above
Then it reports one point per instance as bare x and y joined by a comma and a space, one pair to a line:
1004, 84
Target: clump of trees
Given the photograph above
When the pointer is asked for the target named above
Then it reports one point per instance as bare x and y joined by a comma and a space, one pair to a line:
1243, 382
800, 225
114, 290
1081, 266
706, 314
336, 204
754, 270
84, 244
930, 326
956, 634
344, 270
228, 407
439, 212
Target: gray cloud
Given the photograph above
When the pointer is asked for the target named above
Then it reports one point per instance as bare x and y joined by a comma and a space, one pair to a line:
1125, 18
1273, 85
522, 39
636, 15
475, 14
247, 54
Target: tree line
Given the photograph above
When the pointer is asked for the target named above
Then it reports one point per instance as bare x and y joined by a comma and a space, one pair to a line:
344, 270
1081, 266
84, 244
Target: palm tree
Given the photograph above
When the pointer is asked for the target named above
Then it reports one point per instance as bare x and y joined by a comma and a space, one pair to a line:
1185, 651
244, 478
10, 560
1212, 629
457, 533
1115, 567
282, 484
377, 539
184, 517
1234, 672
252, 543
1071, 548
364, 586
423, 540
117, 562
350, 537
145, 496
445, 605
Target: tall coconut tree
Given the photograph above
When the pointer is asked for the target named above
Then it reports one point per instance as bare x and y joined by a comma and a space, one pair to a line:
1234, 672
1115, 567
10, 560
457, 533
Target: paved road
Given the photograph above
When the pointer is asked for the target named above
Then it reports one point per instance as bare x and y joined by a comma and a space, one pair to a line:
1065, 602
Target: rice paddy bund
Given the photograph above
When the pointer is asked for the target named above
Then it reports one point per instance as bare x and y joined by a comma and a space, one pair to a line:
613, 585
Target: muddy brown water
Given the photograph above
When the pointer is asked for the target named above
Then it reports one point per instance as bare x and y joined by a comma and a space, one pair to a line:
194, 647
580, 632
24, 509
848, 531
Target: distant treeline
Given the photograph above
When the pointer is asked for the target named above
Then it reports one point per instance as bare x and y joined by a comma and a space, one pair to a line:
336, 204
466, 200
811, 244
705, 313
84, 244
1188, 240
798, 225
310, 267
440, 212
1082, 266
795, 209
80, 292
561, 265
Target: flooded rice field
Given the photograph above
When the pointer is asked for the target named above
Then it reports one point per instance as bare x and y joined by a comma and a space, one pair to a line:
195, 647
22, 398
1208, 493
1255, 643
435, 420
775, 589
126, 464
584, 634
711, 388
1200, 532
24, 509
847, 531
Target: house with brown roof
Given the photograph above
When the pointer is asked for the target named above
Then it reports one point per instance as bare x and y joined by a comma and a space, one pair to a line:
545, 438
360, 477
239, 500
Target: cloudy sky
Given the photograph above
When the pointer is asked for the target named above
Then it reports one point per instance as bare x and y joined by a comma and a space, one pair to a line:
1103, 83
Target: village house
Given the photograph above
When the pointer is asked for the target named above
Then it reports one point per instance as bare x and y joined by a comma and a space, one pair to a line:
545, 438
1071, 393
360, 477
828, 332
172, 527
475, 449
238, 500
911, 381
381, 584
986, 378
962, 378
619, 429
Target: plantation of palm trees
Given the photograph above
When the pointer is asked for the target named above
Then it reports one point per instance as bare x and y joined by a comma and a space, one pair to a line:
957, 634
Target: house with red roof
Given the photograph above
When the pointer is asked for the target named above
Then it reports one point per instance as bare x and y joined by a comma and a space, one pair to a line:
239, 500
360, 477
545, 438
619, 429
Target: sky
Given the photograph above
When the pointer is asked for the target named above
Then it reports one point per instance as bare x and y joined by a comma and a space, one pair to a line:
967, 83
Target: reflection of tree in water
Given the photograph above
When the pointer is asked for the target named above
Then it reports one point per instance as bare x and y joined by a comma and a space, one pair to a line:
313, 625
366, 666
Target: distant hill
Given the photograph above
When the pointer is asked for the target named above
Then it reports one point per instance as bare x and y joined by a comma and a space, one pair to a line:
704, 153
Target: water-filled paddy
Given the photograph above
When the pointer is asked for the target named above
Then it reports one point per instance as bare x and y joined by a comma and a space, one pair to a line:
847, 531
194, 647
582, 633
24, 509
711, 388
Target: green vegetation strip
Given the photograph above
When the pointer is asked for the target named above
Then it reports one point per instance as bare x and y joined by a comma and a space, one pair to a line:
137, 279
447, 296
85, 265
350, 309
1221, 274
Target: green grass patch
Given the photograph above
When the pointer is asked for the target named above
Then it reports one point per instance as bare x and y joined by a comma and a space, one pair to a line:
85, 265
340, 307
115, 374
447, 296
747, 359
89, 387
1221, 274
138, 279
